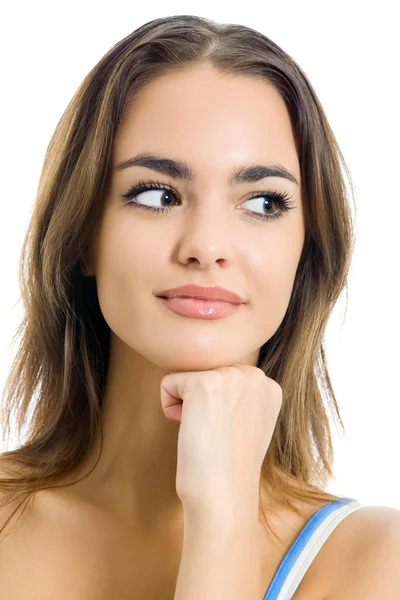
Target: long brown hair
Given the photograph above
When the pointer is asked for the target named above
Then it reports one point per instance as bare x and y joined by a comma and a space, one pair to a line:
64, 340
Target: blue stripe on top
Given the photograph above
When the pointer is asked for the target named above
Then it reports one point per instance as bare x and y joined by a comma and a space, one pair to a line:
286, 566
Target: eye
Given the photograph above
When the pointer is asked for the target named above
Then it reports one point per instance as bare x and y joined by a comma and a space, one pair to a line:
279, 199
153, 195
146, 189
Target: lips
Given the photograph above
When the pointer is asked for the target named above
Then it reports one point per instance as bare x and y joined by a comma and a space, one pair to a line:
202, 293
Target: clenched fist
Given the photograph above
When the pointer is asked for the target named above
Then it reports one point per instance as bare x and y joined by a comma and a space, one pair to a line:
227, 417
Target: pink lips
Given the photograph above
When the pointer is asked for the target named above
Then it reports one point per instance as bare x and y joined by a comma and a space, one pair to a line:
201, 302
203, 293
201, 309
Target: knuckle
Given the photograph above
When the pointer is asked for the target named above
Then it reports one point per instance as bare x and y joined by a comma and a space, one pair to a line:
275, 390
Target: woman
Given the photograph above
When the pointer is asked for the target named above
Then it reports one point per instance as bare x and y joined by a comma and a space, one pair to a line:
180, 447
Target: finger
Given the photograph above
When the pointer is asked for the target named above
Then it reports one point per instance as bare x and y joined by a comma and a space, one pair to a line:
172, 390
174, 413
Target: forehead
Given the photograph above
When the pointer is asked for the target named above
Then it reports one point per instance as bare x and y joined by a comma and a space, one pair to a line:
209, 119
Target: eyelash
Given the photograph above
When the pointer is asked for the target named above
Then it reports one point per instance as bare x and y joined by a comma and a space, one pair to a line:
281, 199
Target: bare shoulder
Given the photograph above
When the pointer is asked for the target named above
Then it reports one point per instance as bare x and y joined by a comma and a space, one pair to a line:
369, 549
57, 561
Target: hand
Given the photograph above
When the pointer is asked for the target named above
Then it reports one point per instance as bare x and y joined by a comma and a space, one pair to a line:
227, 418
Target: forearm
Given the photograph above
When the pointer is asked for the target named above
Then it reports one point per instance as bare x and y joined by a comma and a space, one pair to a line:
220, 559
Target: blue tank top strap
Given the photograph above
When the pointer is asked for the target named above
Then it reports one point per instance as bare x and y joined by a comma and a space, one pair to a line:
302, 552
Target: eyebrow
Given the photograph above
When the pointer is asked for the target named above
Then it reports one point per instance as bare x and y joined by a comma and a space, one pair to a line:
178, 169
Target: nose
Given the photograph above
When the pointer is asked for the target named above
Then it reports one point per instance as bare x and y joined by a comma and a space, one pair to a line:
209, 234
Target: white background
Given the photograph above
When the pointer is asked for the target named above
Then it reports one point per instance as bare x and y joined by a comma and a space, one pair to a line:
350, 52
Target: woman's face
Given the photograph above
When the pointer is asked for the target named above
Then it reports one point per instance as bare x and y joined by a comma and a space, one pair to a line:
211, 233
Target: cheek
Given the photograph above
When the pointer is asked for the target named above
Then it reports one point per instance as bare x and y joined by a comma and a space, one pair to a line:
124, 252
128, 266
275, 275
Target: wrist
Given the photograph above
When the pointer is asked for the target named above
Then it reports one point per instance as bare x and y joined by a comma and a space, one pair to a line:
217, 512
